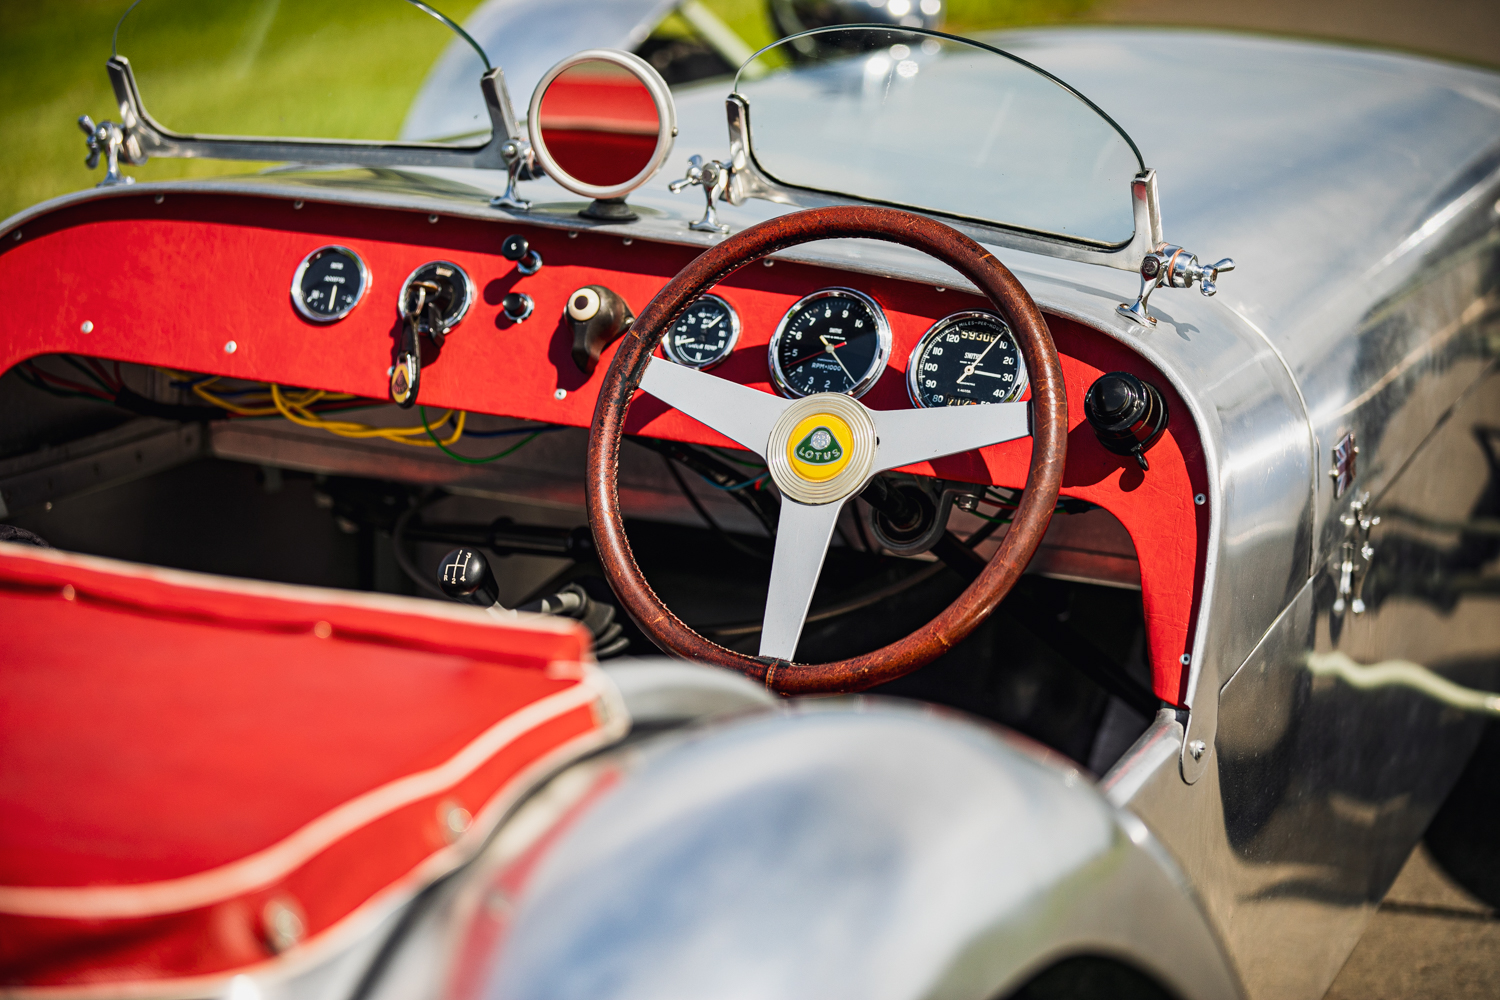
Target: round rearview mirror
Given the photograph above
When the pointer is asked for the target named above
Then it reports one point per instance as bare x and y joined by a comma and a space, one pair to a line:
602, 124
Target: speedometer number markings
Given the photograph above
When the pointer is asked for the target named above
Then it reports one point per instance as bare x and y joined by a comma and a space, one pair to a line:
966, 358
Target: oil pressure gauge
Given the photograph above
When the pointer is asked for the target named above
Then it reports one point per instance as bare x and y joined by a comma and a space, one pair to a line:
704, 335
329, 283
966, 358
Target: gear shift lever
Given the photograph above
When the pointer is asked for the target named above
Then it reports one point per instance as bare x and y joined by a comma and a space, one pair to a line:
466, 576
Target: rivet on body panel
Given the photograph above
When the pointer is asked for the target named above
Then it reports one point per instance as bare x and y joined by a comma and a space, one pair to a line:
87, 326
230, 347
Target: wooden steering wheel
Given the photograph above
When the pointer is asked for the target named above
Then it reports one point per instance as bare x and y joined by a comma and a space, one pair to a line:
871, 441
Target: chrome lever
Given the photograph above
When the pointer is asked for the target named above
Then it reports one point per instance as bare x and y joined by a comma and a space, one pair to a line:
1173, 267
713, 176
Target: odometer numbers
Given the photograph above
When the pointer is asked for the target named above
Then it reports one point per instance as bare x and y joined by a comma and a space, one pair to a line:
704, 335
966, 358
329, 283
834, 340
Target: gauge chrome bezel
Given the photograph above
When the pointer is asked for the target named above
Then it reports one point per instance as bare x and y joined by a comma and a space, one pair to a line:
882, 343
470, 292
359, 296
734, 336
936, 329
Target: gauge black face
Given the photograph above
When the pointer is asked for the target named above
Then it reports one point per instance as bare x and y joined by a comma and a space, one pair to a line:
704, 335
836, 340
966, 358
437, 294
329, 282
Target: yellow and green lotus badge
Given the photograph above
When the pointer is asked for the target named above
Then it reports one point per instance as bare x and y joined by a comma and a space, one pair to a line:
818, 448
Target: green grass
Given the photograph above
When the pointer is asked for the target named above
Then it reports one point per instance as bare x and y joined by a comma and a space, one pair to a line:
332, 68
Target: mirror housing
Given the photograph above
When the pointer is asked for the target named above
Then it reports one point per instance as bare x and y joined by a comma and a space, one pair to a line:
609, 197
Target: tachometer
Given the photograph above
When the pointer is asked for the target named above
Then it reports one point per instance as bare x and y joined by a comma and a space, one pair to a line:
834, 340
329, 282
704, 335
966, 358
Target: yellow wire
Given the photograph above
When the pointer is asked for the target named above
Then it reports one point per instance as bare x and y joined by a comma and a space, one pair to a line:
294, 406
297, 413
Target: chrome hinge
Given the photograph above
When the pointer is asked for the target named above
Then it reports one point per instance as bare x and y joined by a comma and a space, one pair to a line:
713, 177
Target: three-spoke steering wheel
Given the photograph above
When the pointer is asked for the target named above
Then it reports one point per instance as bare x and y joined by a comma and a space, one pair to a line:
823, 449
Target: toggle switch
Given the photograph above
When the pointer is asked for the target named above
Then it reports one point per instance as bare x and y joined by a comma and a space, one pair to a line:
517, 248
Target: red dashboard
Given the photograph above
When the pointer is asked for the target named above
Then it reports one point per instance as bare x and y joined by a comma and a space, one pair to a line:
202, 283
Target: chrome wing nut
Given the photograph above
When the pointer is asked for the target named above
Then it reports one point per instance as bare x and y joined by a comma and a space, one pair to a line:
1173, 267
713, 177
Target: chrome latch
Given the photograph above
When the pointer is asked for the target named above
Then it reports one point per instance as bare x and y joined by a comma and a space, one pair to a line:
1176, 268
110, 140
1355, 555
713, 177
520, 165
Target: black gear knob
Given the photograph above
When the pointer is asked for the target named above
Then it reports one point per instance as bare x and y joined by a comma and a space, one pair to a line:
1126, 413
466, 575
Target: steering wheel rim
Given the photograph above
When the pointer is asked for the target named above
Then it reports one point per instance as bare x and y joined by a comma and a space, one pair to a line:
633, 361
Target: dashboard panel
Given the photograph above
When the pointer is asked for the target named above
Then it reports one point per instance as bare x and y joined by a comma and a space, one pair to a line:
200, 283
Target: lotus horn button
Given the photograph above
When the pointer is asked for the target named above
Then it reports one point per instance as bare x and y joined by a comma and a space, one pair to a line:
1127, 414
598, 318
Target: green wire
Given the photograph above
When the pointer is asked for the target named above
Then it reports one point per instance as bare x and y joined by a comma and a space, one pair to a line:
474, 461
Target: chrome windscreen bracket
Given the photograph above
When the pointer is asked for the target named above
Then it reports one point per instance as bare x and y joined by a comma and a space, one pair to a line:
713, 177
143, 137
1173, 267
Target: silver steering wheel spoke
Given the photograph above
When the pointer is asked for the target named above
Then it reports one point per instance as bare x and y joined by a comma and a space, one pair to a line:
802, 537
909, 436
740, 413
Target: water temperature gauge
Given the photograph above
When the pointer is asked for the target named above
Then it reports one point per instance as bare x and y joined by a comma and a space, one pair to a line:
704, 335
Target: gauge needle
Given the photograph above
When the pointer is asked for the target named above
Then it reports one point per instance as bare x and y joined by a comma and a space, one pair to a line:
973, 365
707, 325
832, 349
827, 349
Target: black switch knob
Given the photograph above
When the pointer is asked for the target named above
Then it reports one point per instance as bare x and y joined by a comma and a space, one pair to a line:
465, 575
1127, 414
517, 248
517, 306
598, 318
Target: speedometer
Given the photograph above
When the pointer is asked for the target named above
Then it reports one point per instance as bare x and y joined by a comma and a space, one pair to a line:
966, 358
834, 340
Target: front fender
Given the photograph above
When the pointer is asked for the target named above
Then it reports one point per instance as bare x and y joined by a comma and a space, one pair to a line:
842, 848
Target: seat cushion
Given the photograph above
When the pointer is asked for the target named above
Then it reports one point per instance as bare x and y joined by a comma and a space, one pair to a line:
198, 775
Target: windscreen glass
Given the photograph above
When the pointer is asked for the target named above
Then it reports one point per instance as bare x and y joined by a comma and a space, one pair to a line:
333, 69
937, 123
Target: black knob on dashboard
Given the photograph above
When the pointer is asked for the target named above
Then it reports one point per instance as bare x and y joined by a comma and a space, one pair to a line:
466, 575
517, 306
1127, 414
518, 248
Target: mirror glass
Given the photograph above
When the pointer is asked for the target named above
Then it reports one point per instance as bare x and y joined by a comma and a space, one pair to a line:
599, 123
330, 69
941, 124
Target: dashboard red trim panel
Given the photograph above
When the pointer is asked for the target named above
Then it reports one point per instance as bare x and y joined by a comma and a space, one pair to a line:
172, 284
